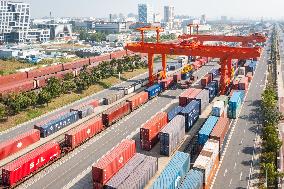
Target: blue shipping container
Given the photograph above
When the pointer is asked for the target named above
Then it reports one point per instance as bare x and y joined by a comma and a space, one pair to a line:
215, 73
213, 90
172, 175
175, 111
191, 113
58, 124
235, 103
154, 90
193, 180
206, 129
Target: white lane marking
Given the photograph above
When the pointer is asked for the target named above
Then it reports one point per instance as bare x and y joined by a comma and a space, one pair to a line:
235, 165
244, 130
241, 175
225, 172
239, 152
230, 182
242, 141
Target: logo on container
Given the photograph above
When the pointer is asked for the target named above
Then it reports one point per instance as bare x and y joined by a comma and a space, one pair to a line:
88, 131
19, 145
120, 160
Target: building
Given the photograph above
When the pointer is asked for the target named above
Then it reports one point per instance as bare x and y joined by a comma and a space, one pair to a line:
111, 27
203, 19
14, 17
145, 13
57, 30
38, 35
168, 13
157, 17
224, 18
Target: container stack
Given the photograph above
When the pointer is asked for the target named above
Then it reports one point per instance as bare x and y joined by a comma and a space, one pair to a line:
172, 135
184, 97
166, 83
193, 180
214, 73
243, 84
206, 80
84, 111
173, 112
115, 113
206, 129
218, 108
203, 97
235, 104
191, 113
174, 172
137, 100
149, 132
213, 90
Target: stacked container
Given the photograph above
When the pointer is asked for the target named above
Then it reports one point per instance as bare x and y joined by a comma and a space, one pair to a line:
58, 124
106, 167
183, 98
243, 84
203, 97
218, 108
191, 113
177, 77
149, 132
220, 131
154, 90
137, 100
129, 89
84, 131
166, 83
172, 135
174, 172
235, 104
193, 180
242, 71
207, 162
206, 129
18, 143
213, 90
206, 80
115, 113
142, 174
249, 75
110, 99
84, 111
214, 73
173, 112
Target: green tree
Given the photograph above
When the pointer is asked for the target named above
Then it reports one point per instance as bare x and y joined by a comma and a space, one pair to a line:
68, 77
3, 111
80, 84
44, 97
33, 98
13, 104
68, 86
54, 87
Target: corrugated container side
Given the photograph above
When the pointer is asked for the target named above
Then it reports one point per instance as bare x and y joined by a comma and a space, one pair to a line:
154, 90
137, 100
203, 97
191, 113
44, 71
220, 130
13, 78
183, 98
206, 129
110, 99
173, 112
193, 180
115, 113
18, 143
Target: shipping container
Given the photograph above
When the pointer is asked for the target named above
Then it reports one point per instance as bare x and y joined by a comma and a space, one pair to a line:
206, 80
243, 84
115, 113
18, 143
53, 126
128, 90
174, 172
83, 111
83, 132
109, 99
235, 104
24, 86
22, 167
172, 135
106, 167
214, 73
193, 180
154, 90
249, 75
152, 127
118, 54
119, 178
94, 103
212, 89
218, 108
191, 113
166, 83
44, 71
177, 77
76, 64
119, 95
13, 78
220, 131
242, 71
173, 112
203, 97
206, 129
142, 174
184, 97
137, 86
138, 100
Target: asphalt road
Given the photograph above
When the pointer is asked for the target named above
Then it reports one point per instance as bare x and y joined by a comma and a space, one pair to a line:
74, 170
235, 168
5, 135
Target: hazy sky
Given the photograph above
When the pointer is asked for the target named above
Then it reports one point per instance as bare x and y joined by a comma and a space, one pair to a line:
212, 8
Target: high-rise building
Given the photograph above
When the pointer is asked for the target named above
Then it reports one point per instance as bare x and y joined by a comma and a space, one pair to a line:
145, 13
168, 13
14, 17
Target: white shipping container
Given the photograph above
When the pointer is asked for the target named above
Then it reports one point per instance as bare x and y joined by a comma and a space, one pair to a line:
218, 108
212, 146
128, 90
204, 163
137, 86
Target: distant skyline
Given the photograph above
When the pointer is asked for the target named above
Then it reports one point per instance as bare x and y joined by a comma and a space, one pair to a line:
212, 8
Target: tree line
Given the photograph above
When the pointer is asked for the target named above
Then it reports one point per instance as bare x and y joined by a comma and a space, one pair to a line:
15, 103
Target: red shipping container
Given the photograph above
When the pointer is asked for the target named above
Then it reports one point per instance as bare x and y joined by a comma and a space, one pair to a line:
76, 64
24, 86
106, 167
95, 103
84, 131
183, 98
138, 99
243, 84
13, 78
18, 143
44, 71
249, 75
215, 166
153, 126
177, 77
220, 130
29, 163
206, 80
193, 95
101, 58
118, 54
113, 114
166, 83
236, 84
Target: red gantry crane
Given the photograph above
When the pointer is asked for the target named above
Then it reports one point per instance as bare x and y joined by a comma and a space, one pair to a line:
226, 54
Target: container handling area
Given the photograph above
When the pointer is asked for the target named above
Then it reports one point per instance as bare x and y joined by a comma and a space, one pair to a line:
177, 126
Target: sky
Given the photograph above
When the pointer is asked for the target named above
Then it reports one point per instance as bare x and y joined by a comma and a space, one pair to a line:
212, 8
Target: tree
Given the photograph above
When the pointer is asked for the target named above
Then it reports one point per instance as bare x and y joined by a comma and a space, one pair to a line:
68, 77
13, 103
54, 87
80, 84
44, 97
33, 98
3, 111
68, 86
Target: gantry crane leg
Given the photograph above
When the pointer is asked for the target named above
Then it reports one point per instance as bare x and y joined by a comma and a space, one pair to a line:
164, 66
151, 68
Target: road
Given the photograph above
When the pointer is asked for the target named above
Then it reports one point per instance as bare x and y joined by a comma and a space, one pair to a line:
234, 171
5, 135
75, 168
